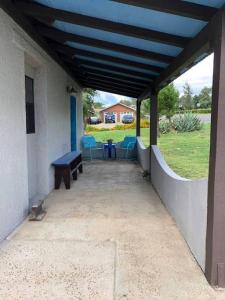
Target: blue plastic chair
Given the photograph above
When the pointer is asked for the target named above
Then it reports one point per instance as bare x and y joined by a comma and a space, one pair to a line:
90, 146
127, 147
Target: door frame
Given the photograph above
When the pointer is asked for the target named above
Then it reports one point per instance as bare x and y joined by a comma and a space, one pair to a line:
73, 122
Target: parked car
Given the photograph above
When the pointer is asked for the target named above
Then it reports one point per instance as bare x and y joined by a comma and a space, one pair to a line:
127, 119
110, 118
94, 120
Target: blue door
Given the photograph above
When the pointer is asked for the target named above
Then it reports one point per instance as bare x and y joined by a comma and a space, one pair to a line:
73, 118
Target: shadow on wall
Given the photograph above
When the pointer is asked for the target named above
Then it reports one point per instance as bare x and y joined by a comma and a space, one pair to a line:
186, 200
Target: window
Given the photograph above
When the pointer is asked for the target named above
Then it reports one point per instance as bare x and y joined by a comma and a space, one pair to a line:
29, 96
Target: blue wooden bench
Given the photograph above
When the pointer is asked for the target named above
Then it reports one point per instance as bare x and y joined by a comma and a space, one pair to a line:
66, 165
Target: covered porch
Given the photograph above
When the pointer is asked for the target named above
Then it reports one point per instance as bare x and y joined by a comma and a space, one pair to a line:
109, 237
112, 47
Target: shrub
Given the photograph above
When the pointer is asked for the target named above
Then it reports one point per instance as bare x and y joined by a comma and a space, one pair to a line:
164, 126
119, 127
196, 111
90, 128
186, 122
201, 111
145, 123
130, 126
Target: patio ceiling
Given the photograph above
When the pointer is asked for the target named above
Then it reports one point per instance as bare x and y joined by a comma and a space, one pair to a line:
126, 47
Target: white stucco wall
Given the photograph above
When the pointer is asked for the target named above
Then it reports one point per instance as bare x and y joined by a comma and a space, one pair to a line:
20, 55
186, 200
13, 152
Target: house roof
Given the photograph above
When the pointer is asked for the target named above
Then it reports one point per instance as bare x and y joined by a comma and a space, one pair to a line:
126, 47
121, 104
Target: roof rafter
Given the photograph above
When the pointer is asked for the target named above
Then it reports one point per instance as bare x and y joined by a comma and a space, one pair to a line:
111, 85
176, 7
114, 84
124, 71
112, 90
37, 10
61, 37
120, 77
114, 79
108, 73
71, 52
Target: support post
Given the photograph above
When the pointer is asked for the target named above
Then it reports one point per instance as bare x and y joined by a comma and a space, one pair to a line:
215, 239
138, 118
153, 119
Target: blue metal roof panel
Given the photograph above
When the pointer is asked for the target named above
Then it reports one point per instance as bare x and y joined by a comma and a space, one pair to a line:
118, 38
127, 14
118, 73
155, 20
116, 64
117, 54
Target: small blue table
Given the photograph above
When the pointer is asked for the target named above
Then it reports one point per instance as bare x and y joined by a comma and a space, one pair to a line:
110, 148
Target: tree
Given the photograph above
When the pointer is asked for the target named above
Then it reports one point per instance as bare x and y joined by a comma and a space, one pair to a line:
205, 97
168, 101
145, 107
187, 100
196, 101
98, 105
129, 103
126, 102
88, 103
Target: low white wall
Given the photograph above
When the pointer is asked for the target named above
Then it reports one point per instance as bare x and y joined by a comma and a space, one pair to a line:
19, 54
186, 200
143, 154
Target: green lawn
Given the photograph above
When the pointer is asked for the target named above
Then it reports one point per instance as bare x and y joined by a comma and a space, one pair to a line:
186, 153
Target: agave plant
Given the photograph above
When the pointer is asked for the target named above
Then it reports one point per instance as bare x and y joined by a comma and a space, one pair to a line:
186, 122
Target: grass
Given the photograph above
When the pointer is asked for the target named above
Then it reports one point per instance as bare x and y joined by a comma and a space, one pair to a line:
186, 153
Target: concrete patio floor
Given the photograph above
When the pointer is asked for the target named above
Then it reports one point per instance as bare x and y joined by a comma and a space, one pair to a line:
109, 237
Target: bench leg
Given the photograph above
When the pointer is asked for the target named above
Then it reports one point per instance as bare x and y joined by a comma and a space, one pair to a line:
66, 178
74, 175
58, 179
81, 168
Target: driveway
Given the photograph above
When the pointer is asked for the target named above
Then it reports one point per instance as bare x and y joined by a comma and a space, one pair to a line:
109, 237
205, 118
106, 125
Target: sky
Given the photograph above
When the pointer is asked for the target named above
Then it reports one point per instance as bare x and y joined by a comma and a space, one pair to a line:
198, 77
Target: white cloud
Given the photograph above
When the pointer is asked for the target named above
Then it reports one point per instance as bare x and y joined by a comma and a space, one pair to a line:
108, 98
198, 76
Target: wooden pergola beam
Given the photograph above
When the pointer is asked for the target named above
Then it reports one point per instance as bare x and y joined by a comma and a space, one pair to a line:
124, 71
62, 37
215, 238
113, 84
105, 72
112, 90
37, 10
72, 52
138, 118
112, 75
175, 7
114, 79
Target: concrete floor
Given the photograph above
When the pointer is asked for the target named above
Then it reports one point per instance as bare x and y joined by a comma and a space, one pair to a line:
109, 237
